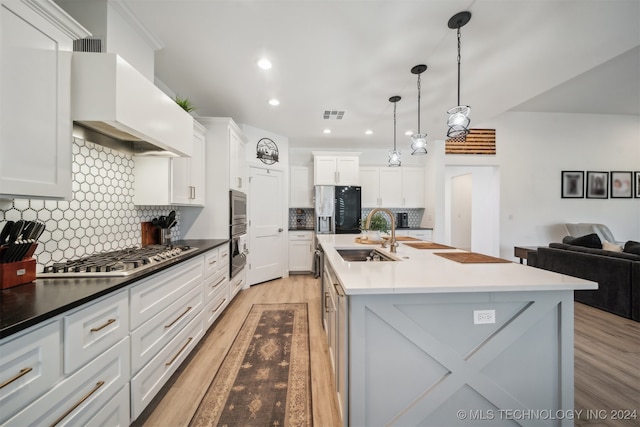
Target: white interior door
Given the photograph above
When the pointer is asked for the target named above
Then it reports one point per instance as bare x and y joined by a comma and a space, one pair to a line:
266, 226
461, 211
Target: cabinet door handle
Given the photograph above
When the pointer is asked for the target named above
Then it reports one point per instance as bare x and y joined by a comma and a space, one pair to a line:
85, 397
173, 359
193, 189
326, 302
219, 305
110, 321
22, 373
177, 318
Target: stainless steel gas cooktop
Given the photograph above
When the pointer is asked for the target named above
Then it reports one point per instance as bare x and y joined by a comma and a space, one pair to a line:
120, 263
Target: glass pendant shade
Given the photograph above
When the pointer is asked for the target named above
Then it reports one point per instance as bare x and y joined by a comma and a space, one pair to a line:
458, 121
394, 158
419, 143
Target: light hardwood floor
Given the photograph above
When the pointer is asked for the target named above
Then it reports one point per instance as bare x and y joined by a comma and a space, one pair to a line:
607, 361
179, 399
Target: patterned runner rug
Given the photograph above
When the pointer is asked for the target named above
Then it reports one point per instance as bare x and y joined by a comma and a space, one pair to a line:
264, 379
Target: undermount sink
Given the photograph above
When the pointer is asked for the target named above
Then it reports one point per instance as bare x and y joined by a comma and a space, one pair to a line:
355, 255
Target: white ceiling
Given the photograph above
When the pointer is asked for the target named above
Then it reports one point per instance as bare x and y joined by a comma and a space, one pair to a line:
352, 55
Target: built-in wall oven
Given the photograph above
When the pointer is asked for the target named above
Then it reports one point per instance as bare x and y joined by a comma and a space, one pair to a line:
237, 231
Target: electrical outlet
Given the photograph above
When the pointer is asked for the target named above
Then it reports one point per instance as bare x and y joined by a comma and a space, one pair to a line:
484, 316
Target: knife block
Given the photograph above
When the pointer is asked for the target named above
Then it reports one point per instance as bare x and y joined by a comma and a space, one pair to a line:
19, 272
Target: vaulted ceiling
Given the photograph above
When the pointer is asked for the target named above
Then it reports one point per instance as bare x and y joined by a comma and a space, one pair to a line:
352, 55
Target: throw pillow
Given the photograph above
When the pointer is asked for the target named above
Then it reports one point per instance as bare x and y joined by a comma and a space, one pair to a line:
608, 246
568, 239
632, 247
588, 241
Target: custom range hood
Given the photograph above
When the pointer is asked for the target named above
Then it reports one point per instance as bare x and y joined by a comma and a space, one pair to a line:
111, 97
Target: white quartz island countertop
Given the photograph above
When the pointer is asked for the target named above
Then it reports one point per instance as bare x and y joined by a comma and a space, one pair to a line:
421, 271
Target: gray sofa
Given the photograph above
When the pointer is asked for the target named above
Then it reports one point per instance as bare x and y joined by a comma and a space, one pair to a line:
617, 274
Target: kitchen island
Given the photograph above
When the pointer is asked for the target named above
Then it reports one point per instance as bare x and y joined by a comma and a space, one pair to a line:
425, 340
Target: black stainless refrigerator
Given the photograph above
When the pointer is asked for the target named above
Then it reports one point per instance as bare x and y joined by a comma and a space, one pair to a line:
347, 209
338, 209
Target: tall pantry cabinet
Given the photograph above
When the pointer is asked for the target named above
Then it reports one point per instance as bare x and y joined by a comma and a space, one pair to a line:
36, 43
225, 169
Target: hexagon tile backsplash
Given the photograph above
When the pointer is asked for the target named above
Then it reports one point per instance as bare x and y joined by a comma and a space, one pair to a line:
101, 215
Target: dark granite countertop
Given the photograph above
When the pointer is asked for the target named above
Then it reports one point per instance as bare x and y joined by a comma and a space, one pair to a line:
29, 304
301, 229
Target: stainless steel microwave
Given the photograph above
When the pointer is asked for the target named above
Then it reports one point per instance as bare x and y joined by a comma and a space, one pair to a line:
238, 207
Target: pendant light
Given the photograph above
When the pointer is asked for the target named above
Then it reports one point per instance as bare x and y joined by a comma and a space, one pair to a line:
419, 140
459, 115
394, 155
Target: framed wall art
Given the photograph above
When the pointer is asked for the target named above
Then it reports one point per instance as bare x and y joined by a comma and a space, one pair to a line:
636, 180
572, 184
597, 185
621, 184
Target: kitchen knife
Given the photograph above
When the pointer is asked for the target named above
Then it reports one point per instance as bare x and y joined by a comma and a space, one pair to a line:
27, 230
6, 230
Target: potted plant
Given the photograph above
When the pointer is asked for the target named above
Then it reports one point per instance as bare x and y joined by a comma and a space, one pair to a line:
378, 225
185, 104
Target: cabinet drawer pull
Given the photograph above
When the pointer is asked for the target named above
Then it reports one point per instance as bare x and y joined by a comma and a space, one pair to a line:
110, 321
22, 373
239, 283
225, 254
179, 352
213, 262
85, 397
326, 302
222, 279
178, 318
219, 305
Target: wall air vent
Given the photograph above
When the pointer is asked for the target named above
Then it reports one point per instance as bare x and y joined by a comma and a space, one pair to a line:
87, 45
333, 114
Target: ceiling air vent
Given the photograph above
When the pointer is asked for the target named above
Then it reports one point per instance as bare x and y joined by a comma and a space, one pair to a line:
87, 45
333, 114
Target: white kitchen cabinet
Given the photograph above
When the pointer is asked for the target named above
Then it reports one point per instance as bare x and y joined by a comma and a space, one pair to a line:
300, 187
421, 234
237, 282
336, 169
95, 328
413, 187
36, 41
216, 284
401, 187
187, 173
237, 159
162, 181
79, 397
301, 250
29, 366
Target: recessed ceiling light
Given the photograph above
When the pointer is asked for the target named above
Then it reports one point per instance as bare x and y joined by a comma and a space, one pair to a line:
274, 102
368, 132
327, 131
264, 63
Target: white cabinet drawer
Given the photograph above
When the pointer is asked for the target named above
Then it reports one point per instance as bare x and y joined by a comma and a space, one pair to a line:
223, 255
236, 284
161, 290
421, 234
211, 262
76, 399
94, 329
29, 366
115, 413
300, 235
219, 301
212, 285
146, 384
148, 339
